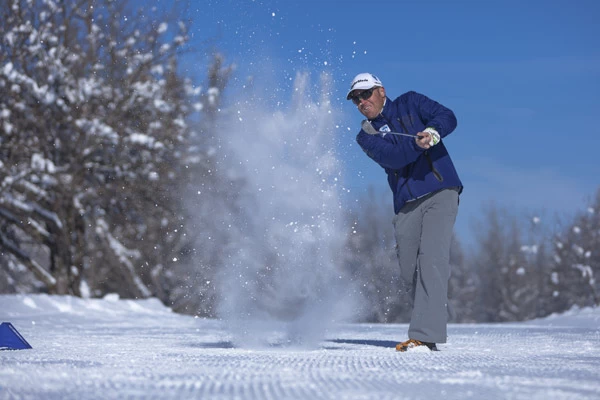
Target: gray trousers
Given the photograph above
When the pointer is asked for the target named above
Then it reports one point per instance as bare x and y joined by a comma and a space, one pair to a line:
423, 231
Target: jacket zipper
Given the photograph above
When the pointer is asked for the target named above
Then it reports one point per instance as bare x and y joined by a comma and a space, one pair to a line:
410, 172
434, 170
396, 175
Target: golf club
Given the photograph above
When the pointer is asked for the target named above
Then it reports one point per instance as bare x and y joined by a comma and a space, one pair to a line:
367, 127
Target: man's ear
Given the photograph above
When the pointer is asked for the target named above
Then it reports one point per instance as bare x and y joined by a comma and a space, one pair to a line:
382, 91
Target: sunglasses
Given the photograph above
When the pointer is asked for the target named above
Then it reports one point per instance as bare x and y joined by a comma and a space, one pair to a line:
364, 95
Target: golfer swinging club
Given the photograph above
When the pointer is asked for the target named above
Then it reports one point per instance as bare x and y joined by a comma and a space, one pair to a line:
405, 137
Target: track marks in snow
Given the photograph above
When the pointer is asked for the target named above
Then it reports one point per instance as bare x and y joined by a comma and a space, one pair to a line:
133, 355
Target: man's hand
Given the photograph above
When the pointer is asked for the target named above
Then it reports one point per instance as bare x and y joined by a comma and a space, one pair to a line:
423, 140
428, 138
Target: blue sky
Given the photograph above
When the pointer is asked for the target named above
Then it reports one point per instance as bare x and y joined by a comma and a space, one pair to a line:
523, 78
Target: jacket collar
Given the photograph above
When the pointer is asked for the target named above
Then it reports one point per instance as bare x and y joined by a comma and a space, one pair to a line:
385, 111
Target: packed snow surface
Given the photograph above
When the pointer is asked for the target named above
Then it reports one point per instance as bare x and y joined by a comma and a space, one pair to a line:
111, 348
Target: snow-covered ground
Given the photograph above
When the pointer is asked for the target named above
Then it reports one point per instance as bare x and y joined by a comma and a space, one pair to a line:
110, 348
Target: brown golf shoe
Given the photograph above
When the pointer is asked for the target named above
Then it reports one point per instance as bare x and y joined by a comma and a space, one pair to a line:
412, 343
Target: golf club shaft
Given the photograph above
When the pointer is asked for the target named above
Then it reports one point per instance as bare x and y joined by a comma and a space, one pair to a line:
367, 127
399, 134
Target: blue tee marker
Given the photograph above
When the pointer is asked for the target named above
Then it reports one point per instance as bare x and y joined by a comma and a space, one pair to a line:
11, 339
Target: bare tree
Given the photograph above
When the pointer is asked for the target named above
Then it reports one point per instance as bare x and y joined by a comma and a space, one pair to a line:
93, 121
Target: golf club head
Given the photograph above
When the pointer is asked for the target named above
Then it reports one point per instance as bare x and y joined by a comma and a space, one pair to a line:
367, 127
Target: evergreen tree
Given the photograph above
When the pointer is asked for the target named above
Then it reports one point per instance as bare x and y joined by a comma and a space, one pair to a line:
372, 262
576, 261
463, 288
509, 281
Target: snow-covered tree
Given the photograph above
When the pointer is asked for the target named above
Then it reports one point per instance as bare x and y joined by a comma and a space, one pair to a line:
93, 125
508, 277
576, 261
463, 285
371, 261
210, 194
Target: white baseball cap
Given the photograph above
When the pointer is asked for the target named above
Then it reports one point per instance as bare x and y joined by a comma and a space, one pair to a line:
364, 81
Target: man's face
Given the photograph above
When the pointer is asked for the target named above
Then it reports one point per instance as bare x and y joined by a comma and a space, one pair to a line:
369, 106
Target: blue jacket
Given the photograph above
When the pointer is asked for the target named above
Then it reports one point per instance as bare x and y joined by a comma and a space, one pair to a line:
412, 171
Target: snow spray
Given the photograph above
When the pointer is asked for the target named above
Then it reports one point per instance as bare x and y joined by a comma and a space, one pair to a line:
284, 283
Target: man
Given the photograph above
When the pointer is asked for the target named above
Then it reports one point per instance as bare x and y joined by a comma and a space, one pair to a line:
405, 136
